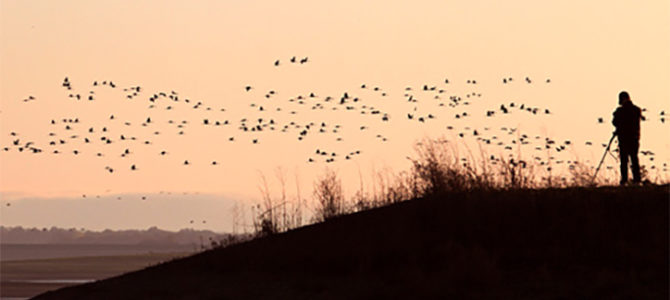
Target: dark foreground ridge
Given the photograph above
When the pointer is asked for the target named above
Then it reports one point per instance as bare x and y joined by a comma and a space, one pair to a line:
578, 243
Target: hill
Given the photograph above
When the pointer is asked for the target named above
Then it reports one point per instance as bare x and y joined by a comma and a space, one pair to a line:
601, 243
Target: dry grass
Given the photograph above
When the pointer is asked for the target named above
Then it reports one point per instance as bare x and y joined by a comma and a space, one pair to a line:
329, 197
439, 167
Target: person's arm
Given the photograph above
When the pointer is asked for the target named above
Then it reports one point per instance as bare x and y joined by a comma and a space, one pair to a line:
616, 119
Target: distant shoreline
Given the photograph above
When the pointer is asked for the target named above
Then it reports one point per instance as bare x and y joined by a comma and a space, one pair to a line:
19, 252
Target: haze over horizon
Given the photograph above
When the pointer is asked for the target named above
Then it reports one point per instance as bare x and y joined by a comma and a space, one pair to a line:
578, 56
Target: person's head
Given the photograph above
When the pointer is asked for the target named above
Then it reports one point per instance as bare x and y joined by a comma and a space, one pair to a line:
624, 97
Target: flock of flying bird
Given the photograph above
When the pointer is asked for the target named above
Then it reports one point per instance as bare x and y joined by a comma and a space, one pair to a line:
72, 133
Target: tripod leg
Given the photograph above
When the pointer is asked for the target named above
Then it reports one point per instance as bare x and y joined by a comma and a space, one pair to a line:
603, 158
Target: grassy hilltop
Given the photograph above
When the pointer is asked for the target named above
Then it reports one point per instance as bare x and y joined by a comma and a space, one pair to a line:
584, 243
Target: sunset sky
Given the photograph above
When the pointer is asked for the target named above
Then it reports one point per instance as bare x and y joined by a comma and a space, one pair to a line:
209, 51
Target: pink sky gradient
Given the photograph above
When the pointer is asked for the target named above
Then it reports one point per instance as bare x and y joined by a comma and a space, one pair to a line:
210, 50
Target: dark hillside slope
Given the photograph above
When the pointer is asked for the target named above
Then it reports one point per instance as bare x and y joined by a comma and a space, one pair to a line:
604, 243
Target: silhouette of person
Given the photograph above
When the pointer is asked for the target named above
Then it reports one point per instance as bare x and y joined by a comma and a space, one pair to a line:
627, 123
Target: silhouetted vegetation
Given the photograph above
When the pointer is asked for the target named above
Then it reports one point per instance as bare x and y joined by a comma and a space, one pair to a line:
329, 196
438, 168
276, 214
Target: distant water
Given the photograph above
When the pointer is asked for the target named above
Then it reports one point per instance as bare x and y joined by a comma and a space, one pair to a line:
31, 251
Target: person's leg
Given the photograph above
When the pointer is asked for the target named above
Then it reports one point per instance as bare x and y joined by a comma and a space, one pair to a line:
635, 163
623, 158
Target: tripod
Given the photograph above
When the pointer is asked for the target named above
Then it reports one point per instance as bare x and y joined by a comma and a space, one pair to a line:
607, 150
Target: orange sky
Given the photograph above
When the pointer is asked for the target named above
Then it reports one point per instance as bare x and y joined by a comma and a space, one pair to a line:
210, 50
